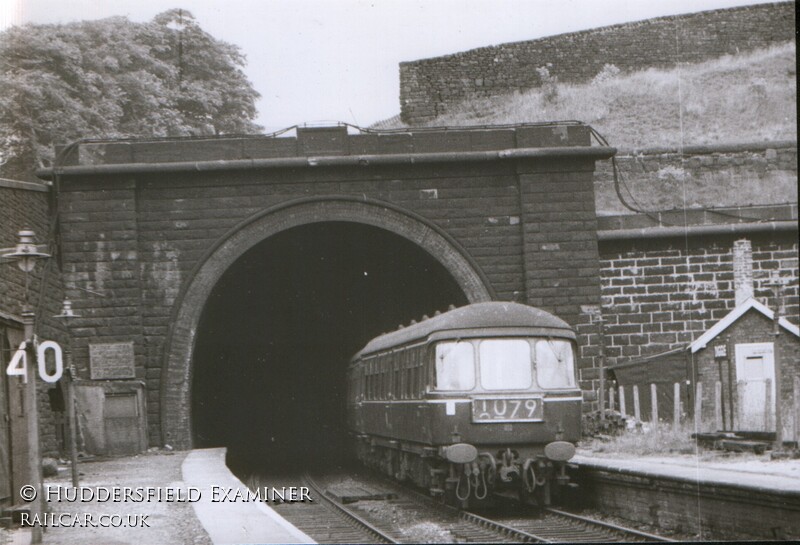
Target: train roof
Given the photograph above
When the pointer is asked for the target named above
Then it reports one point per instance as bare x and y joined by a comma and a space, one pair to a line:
495, 318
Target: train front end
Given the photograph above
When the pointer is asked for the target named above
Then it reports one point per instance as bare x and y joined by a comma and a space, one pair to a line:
506, 412
477, 400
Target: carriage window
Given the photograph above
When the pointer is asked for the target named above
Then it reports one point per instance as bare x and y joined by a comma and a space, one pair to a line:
373, 386
506, 364
455, 366
399, 378
554, 365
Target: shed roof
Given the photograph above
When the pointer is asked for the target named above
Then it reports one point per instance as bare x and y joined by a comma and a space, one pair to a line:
669, 366
734, 315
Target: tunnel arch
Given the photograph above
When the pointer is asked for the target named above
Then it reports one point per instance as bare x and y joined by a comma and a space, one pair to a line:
176, 375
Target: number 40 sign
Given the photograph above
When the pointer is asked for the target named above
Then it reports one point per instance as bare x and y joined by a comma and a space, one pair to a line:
18, 366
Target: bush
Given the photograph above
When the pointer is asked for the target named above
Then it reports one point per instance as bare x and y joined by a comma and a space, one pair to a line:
549, 84
607, 73
593, 426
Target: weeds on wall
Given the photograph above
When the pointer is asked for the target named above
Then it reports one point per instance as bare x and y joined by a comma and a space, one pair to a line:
548, 84
735, 98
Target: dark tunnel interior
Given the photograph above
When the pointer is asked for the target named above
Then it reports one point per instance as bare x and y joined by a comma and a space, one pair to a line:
280, 326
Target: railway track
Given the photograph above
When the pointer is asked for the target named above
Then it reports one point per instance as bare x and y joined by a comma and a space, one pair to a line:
327, 521
369, 509
554, 526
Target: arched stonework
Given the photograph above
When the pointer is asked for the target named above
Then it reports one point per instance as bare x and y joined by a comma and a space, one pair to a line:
176, 375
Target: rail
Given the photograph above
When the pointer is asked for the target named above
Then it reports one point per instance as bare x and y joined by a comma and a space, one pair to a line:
381, 537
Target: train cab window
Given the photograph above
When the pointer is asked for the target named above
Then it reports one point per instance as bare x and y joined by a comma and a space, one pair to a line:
455, 366
554, 364
505, 364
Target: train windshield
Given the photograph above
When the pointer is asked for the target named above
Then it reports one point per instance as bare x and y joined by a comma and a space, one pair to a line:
554, 364
505, 364
455, 366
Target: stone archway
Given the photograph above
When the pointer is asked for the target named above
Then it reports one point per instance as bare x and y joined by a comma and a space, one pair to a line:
176, 372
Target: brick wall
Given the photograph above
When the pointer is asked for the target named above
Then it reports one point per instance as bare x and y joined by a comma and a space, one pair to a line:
662, 294
710, 511
429, 87
26, 205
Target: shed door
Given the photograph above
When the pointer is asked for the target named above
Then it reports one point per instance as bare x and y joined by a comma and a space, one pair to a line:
755, 377
122, 423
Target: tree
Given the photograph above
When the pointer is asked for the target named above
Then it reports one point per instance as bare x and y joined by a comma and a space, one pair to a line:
114, 78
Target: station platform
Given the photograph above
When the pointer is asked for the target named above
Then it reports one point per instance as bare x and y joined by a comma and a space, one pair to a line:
709, 495
750, 471
225, 517
214, 516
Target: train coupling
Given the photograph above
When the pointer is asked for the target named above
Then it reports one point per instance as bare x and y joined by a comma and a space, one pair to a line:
509, 467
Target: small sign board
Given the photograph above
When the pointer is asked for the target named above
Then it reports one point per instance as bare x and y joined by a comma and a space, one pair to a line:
111, 361
720, 351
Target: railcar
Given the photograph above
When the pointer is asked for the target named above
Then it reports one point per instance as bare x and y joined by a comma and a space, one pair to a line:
478, 399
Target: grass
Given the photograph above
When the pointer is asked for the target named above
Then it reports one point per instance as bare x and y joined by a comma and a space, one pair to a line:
666, 439
741, 98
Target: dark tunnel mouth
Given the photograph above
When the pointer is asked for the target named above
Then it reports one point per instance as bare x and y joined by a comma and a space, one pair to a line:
280, 326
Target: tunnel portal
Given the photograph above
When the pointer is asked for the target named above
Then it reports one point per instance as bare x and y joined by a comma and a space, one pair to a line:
279, 327
507, 211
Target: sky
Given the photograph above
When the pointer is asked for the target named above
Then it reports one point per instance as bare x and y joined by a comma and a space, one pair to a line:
318, 61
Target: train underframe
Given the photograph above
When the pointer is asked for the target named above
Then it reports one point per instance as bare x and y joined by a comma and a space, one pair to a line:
461, 474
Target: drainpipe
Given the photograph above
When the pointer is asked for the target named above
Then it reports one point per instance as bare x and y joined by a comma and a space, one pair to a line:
589, 152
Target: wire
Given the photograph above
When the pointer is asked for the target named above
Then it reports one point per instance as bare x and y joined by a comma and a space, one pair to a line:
635, 206
620, 180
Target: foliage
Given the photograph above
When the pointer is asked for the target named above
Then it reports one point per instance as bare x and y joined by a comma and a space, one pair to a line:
646, 440
592, 425
548, 84
608, 72
115, 78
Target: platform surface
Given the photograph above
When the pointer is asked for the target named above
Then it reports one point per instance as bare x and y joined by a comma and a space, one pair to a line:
233, 521
166, 523
752, 471
201, 522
